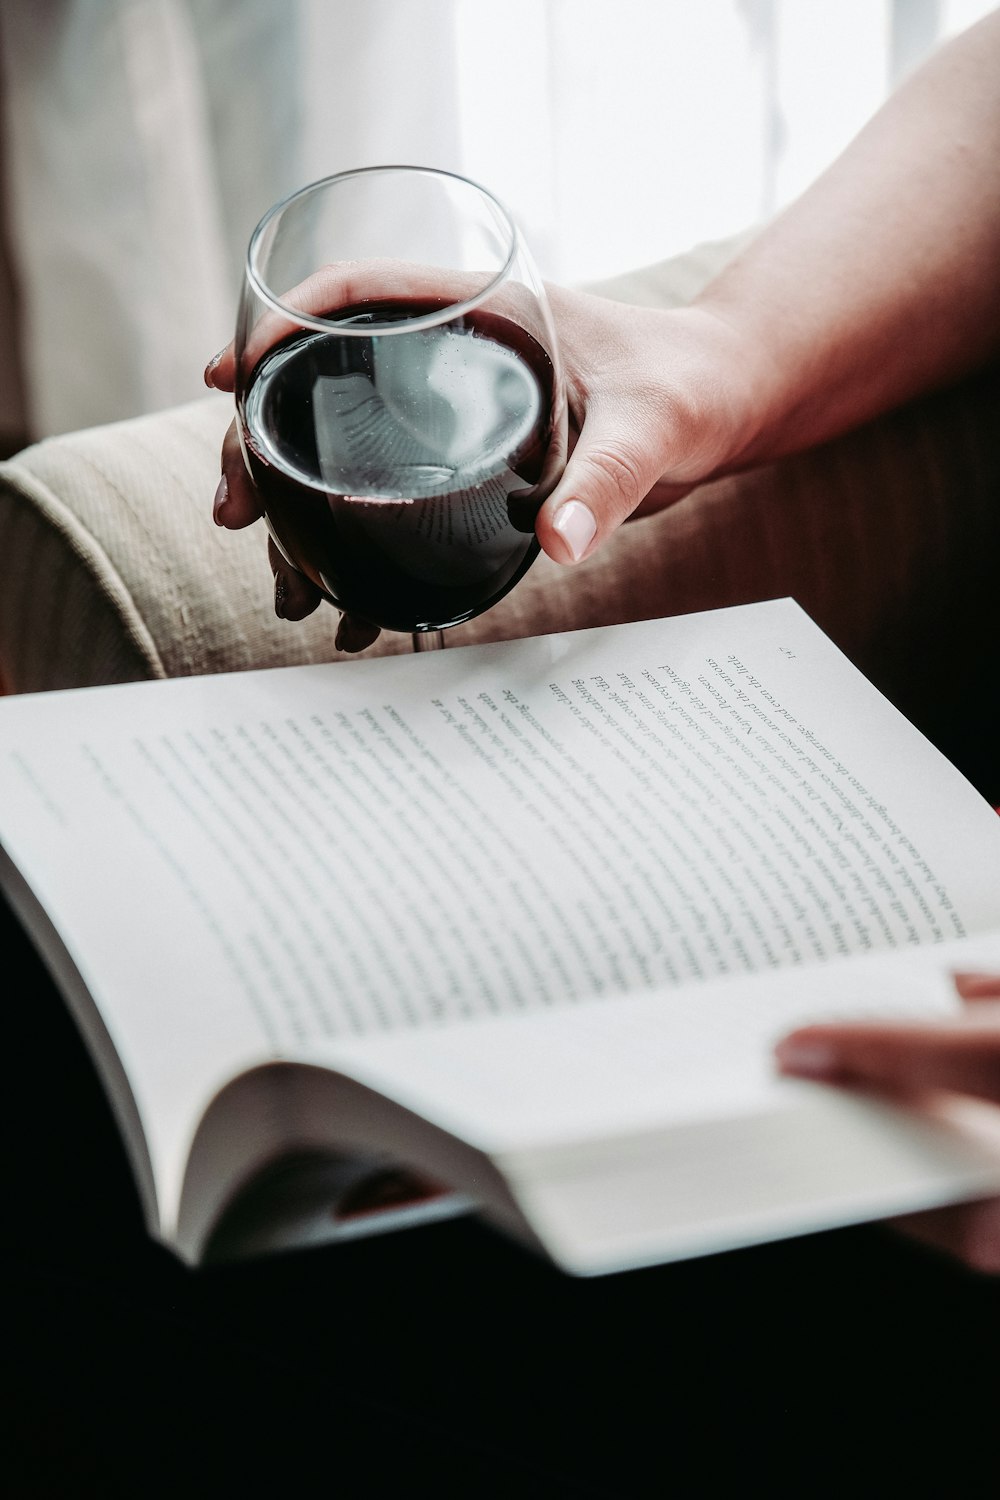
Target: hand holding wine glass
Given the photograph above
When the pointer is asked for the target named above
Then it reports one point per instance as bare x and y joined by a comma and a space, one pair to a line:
657, 401
401, 416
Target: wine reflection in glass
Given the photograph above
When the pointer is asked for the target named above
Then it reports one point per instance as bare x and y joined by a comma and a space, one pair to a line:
400, 401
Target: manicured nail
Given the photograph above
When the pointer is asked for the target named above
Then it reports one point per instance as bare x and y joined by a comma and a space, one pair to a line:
575, 523
210, 368
807, 1059
280, 594
220, 501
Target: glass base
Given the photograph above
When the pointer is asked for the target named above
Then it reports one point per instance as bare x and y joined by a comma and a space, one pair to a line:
428, 640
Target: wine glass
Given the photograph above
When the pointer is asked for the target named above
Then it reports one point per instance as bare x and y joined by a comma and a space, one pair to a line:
399, 395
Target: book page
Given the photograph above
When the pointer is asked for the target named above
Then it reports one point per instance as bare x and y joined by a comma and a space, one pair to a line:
642, 1062
658, 1126
249, 865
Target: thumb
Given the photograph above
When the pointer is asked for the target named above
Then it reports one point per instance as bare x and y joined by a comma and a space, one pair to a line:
611, 470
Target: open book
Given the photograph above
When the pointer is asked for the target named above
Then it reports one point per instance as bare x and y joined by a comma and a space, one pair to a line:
507, 929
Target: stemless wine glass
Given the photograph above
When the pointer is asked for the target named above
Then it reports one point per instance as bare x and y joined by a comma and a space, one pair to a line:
400, 400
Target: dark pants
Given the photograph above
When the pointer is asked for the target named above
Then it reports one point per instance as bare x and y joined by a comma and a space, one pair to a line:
444, 1361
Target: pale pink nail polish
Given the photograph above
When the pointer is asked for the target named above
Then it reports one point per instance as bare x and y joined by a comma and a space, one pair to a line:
210, 368
575, 523
220, 501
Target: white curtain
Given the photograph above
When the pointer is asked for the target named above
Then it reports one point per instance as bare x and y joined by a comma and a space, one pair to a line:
144, 138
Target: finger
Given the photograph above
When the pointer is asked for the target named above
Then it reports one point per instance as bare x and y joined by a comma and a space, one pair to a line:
220, 372
236, 502
617, 460
977, 986
962, 1055
969, 1232
354, 635
237, 505
294, 596
349, 284
663, 493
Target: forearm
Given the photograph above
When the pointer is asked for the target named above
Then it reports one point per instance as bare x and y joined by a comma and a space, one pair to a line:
883, 280
879, 283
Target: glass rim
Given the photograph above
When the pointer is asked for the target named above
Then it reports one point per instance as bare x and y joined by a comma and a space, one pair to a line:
410, 325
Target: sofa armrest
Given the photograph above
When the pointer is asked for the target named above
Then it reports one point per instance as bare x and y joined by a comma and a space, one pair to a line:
114, 570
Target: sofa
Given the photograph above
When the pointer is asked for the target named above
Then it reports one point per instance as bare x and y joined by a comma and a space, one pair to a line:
114, 570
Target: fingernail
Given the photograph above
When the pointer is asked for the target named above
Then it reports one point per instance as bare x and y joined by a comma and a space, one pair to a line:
807, 1059
210, 368
575, 523
280, 594
220, 501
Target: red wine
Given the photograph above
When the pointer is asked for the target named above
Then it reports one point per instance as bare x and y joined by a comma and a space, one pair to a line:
402, 473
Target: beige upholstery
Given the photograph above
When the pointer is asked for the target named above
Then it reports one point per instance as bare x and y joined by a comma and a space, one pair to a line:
113, 569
